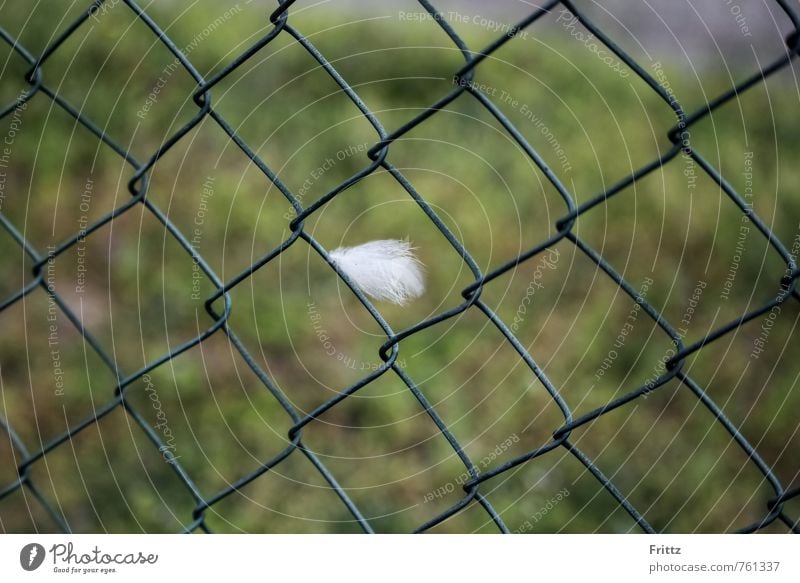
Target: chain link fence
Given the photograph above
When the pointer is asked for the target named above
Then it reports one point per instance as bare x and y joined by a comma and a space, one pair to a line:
219, 304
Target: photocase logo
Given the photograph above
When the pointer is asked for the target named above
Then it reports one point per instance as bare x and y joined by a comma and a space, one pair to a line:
31, 556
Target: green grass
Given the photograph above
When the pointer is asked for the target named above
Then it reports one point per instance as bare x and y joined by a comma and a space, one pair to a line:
665, 452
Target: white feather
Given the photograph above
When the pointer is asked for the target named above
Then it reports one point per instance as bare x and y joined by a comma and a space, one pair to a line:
384, 270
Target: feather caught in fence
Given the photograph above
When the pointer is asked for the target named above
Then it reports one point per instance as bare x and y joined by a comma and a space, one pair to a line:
385, 270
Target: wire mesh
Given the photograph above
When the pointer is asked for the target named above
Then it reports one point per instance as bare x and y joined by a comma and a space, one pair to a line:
219, 304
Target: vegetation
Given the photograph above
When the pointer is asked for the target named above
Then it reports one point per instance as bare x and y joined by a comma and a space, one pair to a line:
674, 235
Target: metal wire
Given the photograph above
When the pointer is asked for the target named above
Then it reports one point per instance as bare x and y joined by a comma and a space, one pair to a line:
218, 305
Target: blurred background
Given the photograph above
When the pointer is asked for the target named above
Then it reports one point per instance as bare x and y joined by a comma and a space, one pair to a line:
674, 235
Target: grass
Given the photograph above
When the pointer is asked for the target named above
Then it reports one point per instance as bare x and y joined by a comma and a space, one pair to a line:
142, 294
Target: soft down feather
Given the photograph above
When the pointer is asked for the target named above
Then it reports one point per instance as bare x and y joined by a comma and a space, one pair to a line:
385, 269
